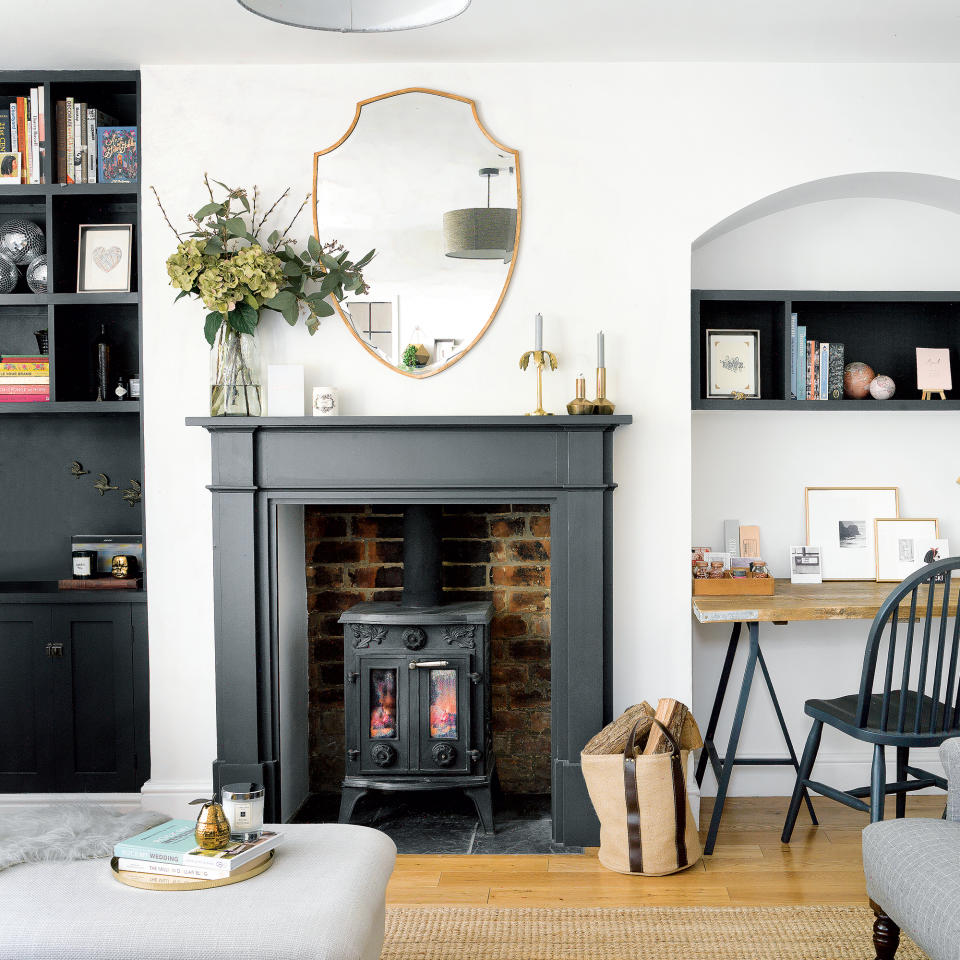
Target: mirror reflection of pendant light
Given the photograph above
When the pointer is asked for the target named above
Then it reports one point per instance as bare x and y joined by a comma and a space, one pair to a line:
481, 233
357, 16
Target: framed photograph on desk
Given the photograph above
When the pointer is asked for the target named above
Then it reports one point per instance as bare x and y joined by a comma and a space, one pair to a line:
904, 545
841, 521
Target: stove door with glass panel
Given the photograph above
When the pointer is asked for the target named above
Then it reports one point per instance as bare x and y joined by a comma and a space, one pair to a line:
441, 690
384, 715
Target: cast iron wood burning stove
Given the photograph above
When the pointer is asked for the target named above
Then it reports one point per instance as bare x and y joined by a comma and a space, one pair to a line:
417, 684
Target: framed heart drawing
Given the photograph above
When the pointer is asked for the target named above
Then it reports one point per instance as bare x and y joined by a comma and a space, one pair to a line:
104, 254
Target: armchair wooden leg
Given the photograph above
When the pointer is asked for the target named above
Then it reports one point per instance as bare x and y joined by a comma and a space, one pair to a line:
886, 934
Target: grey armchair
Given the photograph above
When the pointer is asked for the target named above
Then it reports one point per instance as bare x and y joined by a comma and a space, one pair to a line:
913, 875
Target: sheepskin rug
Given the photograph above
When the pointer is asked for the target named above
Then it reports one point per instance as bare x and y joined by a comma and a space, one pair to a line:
68, 831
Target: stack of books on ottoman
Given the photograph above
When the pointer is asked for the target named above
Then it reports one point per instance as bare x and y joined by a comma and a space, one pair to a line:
171, 850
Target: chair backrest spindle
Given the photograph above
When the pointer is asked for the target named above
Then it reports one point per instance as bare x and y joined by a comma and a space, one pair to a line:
918, 711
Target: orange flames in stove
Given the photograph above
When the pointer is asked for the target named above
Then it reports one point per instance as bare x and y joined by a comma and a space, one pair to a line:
443, 704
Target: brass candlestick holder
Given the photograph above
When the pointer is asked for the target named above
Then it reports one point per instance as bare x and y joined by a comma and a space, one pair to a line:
541, 358
602, 405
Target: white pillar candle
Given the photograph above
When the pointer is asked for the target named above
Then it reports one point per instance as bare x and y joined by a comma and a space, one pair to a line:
538, 332
600, 362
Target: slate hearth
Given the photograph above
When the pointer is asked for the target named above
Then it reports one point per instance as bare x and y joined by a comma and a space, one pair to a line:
434, 823
265, 469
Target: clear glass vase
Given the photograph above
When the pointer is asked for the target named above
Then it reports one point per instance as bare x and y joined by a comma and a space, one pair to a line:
235, 383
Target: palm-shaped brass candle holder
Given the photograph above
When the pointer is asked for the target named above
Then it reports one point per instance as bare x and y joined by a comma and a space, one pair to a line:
540, 358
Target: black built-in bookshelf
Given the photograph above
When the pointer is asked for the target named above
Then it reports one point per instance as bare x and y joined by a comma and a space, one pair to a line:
881, 328
39, 440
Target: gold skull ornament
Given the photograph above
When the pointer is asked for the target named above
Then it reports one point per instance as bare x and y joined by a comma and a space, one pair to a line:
120, 567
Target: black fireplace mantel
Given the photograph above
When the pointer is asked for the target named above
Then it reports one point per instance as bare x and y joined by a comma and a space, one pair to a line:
263, 463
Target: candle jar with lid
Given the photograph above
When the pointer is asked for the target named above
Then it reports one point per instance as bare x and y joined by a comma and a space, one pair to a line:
716, 569
243, 805
759, 569
700, 570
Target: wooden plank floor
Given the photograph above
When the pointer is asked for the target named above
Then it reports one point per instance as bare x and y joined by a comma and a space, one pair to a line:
750, 866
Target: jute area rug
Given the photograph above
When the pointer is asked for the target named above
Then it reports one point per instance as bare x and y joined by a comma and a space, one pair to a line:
634, 933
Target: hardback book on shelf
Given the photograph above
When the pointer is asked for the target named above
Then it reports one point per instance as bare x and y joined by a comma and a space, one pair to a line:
117, 154
793, 356
23, 120
174, 843
77, 137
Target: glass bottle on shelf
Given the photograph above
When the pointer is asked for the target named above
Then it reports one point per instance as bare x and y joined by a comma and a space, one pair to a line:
101, 353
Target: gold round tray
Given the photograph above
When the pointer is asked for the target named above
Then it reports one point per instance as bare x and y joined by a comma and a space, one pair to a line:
157, 881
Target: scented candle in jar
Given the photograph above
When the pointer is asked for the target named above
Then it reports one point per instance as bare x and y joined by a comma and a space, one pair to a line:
243, 805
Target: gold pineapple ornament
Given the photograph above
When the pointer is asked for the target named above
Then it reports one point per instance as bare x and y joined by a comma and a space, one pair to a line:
213, 828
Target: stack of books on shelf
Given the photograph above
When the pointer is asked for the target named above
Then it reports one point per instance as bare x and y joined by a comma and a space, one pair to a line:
816, 368
171, 850
24, 379
23, 144
92, 147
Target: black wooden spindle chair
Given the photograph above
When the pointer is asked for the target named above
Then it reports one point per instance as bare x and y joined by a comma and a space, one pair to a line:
916, 714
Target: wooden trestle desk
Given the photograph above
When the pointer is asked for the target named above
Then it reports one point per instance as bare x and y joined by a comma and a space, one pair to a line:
846, 600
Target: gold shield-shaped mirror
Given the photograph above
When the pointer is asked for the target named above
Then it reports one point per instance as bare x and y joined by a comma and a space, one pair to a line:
420, 179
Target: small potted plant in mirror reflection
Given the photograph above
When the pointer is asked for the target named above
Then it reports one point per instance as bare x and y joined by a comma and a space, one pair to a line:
223, 261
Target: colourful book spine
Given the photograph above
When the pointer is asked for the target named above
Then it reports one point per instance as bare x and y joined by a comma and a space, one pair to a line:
811, 347
24, 397
24, 388
68, 156
835, 379
801, 366
79, 123
14, 134
6, 136
793, 356
824, 370
41, 135
28, 142
34, 135
91, 140
61, 115
22, 138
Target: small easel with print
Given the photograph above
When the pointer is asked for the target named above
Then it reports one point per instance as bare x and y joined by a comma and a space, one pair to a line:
933, 372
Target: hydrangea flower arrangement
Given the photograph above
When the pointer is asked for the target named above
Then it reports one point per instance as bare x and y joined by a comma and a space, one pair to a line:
223, 262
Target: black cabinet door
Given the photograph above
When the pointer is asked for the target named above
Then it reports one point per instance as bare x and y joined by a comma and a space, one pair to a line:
94, 717
26, 699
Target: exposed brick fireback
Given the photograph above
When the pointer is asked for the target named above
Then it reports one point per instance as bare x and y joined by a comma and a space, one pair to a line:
495, 552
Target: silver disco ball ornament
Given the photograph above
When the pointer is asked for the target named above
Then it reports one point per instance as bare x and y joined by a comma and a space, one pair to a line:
37, 274
8, 274
21, 240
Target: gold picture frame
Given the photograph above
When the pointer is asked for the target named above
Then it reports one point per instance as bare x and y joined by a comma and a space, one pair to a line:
840, 520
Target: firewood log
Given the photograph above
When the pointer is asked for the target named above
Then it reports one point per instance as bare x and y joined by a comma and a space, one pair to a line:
613, 737
671, 714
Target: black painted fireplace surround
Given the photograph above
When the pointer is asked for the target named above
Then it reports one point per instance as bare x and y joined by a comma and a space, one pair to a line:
260, 465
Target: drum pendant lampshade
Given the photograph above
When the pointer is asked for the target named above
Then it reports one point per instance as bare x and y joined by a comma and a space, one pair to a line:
357, 16
480, 233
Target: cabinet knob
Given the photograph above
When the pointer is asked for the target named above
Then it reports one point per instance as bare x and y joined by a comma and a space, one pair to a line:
353, 754
353, 677
475, 755
54, 649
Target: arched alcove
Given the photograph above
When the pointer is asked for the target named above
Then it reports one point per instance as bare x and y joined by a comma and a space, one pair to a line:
863, 231
859, 231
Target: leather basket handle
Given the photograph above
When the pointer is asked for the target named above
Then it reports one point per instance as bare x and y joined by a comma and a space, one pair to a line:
634, 838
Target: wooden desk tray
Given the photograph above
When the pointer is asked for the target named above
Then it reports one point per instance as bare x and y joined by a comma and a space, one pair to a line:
735, 587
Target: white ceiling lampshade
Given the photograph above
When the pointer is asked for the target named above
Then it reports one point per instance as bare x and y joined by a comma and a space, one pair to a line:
357, 16
481, 233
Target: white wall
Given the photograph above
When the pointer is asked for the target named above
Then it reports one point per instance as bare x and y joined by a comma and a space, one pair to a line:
754, 466
623, 167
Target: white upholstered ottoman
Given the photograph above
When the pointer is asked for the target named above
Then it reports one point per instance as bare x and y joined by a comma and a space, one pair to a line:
323, 899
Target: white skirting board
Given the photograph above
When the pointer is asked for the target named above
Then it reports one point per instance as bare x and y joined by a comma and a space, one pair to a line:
173, 797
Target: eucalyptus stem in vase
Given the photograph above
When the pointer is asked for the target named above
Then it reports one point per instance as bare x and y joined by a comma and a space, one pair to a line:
222, 261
